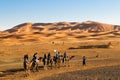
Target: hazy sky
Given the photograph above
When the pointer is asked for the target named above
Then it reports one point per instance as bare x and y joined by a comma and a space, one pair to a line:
14, 12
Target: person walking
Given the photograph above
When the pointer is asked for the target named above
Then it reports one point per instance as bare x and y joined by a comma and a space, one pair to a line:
84, 61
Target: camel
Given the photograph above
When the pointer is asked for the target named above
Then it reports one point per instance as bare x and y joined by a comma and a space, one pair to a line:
45, 62
26, 65
57, 61
30, 65
50, 62
34, 65
66, 60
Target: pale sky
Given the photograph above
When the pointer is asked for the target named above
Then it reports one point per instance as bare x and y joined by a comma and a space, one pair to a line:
14, 12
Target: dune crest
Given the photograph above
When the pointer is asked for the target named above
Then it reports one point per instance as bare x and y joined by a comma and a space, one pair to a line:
60, 30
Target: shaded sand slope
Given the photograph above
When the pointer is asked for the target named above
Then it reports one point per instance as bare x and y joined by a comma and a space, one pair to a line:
104, 73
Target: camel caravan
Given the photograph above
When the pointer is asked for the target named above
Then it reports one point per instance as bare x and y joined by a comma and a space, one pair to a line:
49, 62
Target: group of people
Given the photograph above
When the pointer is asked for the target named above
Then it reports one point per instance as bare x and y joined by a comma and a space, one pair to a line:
47, 58
35, 58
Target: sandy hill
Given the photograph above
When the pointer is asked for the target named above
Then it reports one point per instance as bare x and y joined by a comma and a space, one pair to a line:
59, 31
88, 26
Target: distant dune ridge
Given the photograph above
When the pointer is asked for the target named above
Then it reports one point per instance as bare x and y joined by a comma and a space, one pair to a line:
58, 30
89, 26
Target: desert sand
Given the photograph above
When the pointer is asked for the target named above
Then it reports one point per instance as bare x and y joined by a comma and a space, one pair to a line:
39, 37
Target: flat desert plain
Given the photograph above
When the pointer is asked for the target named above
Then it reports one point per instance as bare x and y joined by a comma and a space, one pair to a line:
106, 66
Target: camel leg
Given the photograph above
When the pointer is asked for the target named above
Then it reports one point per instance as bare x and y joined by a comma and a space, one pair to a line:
55, 64
68, 64
27, 69
37, 67
51, 65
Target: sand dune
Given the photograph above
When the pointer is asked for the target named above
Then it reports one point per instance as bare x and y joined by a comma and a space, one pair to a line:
59, 30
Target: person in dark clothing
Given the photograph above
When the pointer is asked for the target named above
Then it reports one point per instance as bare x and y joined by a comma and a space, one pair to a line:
48, 58
25, 61
65, 55
49, 55
83, 60
44, 59
26, 57
35, 56
45, 56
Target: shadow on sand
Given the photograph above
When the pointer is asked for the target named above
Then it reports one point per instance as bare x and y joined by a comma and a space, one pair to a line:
10, 72
13, 71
